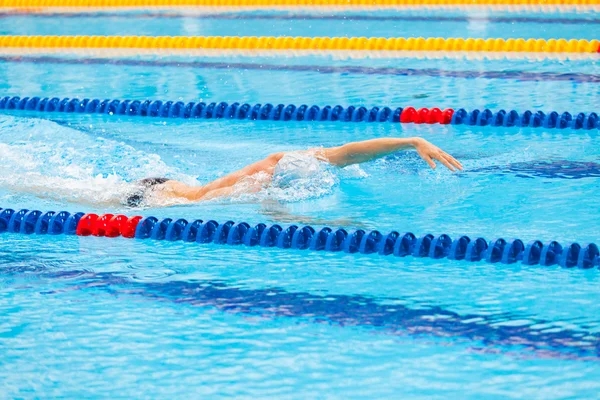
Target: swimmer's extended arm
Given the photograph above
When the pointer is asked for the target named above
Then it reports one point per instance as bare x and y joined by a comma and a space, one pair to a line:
359, 152
348, 154
224, 186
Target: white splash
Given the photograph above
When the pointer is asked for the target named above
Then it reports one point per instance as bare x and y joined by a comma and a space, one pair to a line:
47, 159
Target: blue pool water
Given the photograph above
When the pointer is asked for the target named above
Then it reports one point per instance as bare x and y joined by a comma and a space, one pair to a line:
386, 23
100, 317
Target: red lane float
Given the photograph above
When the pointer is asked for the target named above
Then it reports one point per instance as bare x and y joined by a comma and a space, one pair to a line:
86, 225
129, 227
101, 225
426, 116
113, 228
108, 225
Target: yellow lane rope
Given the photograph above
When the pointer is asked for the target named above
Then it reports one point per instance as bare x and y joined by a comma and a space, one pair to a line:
279, 3
305, 43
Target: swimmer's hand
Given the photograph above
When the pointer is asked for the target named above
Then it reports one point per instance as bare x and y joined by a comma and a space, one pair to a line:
430, 152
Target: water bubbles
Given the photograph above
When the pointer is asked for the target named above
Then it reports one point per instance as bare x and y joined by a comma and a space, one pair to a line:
47, 159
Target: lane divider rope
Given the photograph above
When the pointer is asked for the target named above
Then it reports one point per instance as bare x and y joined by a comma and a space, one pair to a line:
291, 112
510, 251
307, 43
280, 3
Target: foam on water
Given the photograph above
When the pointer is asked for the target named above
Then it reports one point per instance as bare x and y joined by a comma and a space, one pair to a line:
47, 159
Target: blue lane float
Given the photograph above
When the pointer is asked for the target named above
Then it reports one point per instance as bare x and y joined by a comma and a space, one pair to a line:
303, 112
498, 250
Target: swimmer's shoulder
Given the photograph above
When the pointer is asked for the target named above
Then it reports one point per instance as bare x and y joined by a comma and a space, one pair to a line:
320, 153
176, 189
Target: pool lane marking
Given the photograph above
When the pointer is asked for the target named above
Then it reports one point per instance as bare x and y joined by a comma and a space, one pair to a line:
310, 17
324, 44
356, 311
549, 169
321, 69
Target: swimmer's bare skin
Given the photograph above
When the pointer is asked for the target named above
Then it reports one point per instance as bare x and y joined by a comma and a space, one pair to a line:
341, 156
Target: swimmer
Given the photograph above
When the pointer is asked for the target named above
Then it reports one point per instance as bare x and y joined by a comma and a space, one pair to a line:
284, 167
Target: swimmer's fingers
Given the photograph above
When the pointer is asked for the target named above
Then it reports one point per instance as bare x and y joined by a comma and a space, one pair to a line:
448, 158
430, 152
429, 160
450, 162
440, 157
453, 161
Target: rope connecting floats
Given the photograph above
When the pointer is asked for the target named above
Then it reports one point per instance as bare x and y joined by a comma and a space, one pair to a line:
282, 3
306, 43
301, 238
291, 112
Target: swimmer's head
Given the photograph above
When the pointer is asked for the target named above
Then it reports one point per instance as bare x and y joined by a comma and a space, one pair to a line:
295, 167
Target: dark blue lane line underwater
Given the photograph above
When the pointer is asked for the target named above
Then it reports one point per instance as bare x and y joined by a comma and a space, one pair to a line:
340, 310
555, 169
321, 69
308, 17
551, 169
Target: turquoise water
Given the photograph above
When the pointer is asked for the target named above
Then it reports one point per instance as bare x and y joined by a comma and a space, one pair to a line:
386, 23
100, 317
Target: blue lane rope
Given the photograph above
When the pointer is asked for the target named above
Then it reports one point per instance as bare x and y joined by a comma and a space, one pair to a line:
526, 119
302, 238
221, 110
291, 112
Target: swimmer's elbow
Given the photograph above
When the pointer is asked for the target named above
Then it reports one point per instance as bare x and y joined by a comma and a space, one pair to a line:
275, 157
338, 156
